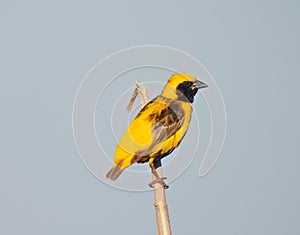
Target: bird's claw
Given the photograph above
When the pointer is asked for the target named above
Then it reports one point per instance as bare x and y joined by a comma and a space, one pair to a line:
159, 181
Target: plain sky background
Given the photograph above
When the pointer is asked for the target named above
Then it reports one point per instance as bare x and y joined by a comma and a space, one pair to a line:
250, 47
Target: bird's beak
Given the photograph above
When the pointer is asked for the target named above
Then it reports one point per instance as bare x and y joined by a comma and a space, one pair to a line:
199, 85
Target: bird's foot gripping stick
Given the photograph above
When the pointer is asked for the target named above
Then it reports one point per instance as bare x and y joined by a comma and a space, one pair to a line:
157, 178
159, 181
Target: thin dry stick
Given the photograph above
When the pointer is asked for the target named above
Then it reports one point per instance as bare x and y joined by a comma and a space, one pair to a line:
161, 208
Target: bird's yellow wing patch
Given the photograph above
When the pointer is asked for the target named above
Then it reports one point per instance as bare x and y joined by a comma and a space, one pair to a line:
159, 120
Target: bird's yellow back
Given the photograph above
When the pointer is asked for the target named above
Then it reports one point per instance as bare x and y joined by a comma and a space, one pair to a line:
140, 139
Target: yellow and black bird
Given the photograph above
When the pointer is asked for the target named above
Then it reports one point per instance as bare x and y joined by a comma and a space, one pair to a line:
158, 128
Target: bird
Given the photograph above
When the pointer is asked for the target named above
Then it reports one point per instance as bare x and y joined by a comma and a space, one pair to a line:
158, 128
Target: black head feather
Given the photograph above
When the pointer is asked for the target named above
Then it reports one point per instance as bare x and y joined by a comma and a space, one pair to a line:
186, 91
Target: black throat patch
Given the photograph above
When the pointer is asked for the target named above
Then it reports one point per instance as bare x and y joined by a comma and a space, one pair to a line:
185, 92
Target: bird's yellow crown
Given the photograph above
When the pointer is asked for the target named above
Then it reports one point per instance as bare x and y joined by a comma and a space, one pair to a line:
169, 90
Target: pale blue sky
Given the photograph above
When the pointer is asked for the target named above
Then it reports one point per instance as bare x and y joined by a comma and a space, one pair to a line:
250, 47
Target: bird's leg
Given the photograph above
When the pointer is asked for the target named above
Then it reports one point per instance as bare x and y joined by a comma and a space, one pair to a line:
157, 178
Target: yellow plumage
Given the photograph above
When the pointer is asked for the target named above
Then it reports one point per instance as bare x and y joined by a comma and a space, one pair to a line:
159, 127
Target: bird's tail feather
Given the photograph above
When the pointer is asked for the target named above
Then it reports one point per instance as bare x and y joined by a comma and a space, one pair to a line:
114, 172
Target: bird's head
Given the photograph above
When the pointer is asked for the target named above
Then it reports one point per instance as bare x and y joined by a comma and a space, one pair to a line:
182, 87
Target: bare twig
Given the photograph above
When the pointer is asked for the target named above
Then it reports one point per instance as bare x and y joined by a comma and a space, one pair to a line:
161, 208
132, 98
142, 91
